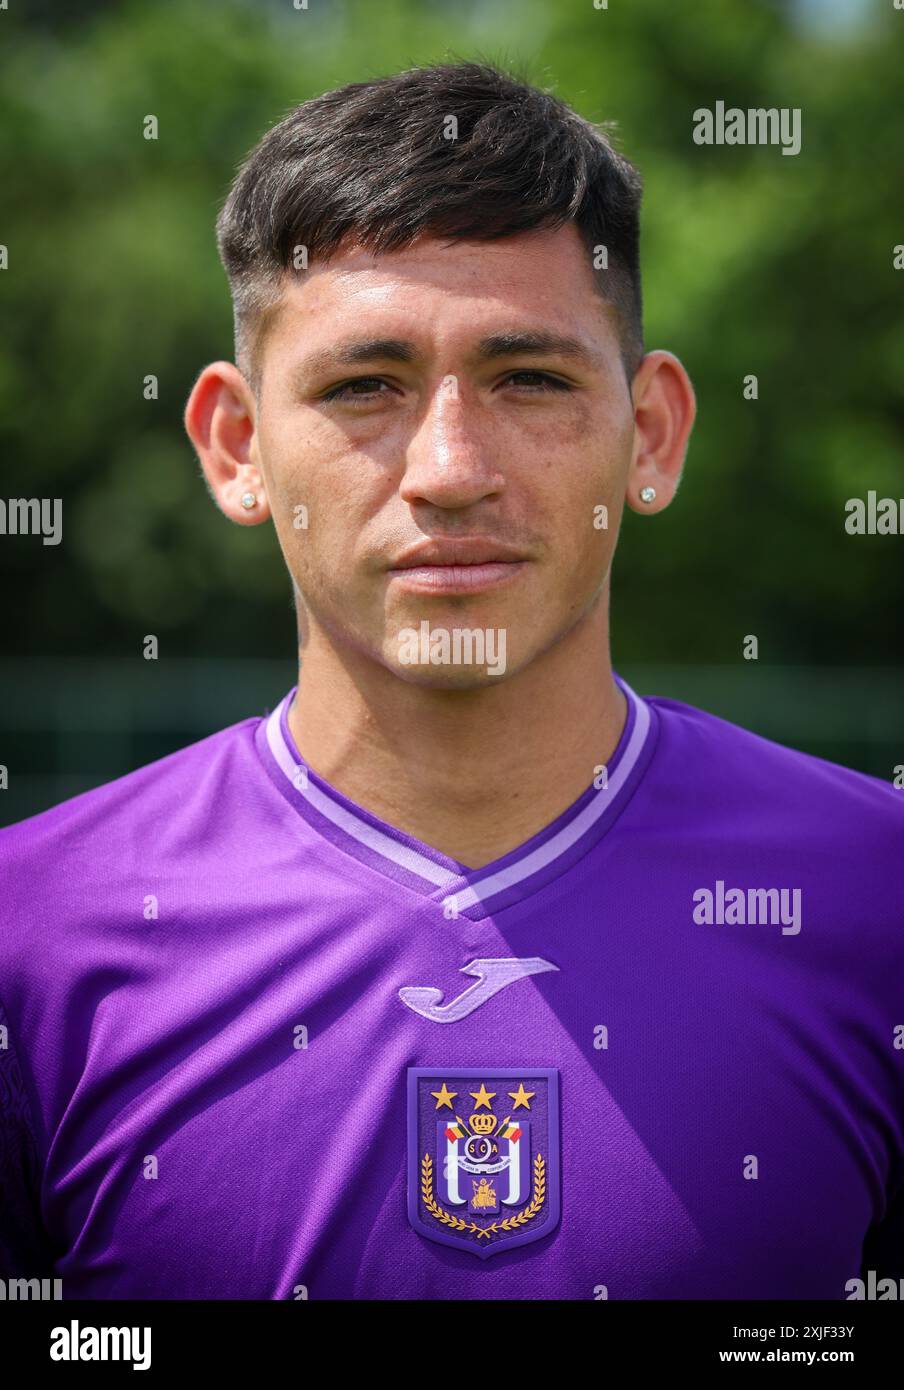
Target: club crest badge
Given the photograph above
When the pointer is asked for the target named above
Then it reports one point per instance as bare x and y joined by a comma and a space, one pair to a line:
483, 1156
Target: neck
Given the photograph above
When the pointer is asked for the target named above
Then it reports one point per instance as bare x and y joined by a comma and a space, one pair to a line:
471, 773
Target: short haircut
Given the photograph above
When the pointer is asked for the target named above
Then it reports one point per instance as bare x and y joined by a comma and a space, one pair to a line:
371, 163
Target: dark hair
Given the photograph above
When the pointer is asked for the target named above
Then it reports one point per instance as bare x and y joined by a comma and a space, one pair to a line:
371, 162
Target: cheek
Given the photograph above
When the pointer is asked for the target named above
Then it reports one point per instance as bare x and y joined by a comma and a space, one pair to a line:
323, 496
578, 476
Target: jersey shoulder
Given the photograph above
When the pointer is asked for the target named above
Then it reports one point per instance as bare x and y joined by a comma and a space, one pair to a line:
729, 769
136, 797
62, 865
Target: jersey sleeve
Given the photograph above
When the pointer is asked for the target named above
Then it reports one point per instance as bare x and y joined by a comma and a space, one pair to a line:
883, 1249
24, 1249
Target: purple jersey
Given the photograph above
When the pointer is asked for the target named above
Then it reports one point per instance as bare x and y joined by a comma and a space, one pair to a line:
260, 1044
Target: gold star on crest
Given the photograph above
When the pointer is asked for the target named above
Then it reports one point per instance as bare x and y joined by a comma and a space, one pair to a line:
522, 1097
444, 1097
482, 1097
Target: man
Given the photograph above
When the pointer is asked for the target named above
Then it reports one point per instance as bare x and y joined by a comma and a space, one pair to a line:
467, 972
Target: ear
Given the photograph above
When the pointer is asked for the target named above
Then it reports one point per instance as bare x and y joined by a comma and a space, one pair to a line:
664, 410
220, 422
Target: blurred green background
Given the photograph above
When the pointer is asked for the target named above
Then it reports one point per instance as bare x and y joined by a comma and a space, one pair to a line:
754, 262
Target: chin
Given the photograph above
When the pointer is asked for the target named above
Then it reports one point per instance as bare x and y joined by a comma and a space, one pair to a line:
437, 677
455, 655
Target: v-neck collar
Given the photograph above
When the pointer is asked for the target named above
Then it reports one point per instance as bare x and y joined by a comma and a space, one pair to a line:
457, 889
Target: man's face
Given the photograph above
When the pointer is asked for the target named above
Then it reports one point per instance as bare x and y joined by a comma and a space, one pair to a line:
396, 407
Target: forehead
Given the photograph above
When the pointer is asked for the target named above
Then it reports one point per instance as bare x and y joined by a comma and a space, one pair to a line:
538, 277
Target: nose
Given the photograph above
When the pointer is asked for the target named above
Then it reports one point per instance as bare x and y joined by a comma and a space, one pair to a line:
450, 460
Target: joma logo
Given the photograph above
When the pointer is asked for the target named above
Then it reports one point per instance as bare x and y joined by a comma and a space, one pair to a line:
492, 976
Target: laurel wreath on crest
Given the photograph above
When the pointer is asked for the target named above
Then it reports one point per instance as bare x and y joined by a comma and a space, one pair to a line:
458, 1223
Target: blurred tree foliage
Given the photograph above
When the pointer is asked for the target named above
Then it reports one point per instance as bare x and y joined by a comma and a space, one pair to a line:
754, 263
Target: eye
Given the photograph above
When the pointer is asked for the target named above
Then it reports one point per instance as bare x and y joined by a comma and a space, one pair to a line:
543, 381
347, 389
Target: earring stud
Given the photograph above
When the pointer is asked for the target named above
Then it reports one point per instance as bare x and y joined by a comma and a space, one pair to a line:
647, 494
249, 500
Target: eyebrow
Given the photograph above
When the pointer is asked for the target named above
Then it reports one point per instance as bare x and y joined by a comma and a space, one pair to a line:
536, 342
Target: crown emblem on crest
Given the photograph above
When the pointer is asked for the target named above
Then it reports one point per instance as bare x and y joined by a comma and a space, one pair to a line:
482, 1124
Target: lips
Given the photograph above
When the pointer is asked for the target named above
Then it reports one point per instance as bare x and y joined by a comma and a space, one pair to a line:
449, 579
463, 566
474, 550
